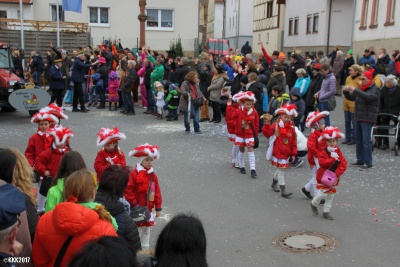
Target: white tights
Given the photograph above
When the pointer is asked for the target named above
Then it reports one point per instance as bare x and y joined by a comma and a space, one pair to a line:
144, 233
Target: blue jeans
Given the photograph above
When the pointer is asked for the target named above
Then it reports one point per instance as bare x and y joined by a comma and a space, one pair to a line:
196, 120
36, 76
128, 102
349, 124
85, 94
323, 106
93, 90
151, 104
362, 134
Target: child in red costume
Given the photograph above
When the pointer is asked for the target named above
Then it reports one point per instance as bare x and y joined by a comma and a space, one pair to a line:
246, 118
315, 121
110, 154
143, 188
48, 161
282, 144
231, 128
329, 158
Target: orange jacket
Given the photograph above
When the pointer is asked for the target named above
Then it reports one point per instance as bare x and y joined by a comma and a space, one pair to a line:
67, 219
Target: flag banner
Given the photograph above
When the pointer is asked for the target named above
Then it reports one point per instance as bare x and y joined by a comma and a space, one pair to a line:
72, 5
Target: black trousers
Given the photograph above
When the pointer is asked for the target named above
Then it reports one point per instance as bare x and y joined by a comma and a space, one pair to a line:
386, 121
78, 94
57, 95
216, 111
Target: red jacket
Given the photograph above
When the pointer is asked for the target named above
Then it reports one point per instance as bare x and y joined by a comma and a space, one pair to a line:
49, 160
230, 121
101, 162
67, 219
285, 145
325, 162
138, 185
243, 120
36, 145
314, 147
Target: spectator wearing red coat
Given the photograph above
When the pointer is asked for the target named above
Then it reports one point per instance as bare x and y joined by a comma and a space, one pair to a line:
143, 188
231, 128
49, 160
78, 219
330, 158
110, 154
247, 123
282, 144
316, 123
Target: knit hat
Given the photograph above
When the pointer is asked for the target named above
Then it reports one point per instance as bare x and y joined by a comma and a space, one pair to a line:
244, 79
173, 86
288, 109
350, 52
60, 134
44, 115
314, 117
369, 73
330, 132
106, 136
245, 96
57, 111
145, 150
281, 55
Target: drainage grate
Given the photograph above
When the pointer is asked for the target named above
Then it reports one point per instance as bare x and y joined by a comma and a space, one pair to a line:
305, 242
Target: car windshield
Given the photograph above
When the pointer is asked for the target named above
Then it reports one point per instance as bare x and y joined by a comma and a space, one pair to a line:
4, 59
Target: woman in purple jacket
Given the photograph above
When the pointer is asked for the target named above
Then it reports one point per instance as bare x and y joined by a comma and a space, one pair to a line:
328, 89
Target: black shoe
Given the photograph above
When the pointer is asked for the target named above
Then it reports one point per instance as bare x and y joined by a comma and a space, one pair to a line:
283, 191
90, 104
365, 167
253, 173
85, 110
198, 132
376, 144
384, 147
298, 163
314, 209
211, 120
175, 119
351, 143
345, 142
130, 113
274, 185
356, 164
242, 170
217, 121
306, 193
75, 110
168, 119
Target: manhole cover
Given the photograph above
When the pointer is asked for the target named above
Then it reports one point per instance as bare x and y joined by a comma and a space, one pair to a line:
305, 242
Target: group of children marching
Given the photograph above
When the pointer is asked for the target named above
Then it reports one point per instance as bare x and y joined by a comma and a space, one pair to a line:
325, 158
47, 147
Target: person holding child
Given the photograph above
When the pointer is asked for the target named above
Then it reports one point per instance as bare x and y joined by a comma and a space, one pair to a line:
329, 159
143, 187
160, 103
282, 144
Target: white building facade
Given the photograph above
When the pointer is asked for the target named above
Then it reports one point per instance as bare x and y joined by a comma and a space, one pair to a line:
215, 23
107, 19
10, 9
238, 23
377, 24
313, 25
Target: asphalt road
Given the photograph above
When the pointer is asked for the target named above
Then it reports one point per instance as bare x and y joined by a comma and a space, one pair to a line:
242, 215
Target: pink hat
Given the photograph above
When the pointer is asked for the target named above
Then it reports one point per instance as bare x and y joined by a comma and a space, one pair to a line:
102, 60
287, 109
145, 150
44, 115
330, 132
107, 135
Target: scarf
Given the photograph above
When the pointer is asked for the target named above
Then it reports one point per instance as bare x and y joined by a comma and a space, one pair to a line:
142, 178
333, 151
284, 128
47, 139
93, 206
110, 156
364, 87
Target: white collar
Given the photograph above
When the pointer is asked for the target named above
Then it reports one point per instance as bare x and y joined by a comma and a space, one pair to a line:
248, 112
140, 168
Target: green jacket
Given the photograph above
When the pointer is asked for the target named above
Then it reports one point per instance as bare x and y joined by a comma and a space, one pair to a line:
157, 75
54, 196
170, 95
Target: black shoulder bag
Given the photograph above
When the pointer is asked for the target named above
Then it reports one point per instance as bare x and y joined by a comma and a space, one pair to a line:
62, 251
256, 140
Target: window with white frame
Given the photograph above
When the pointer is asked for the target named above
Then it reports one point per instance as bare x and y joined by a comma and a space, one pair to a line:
53, 13
99, 16
160, 19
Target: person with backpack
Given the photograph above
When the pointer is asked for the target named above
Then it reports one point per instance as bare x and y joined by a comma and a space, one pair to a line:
37, 67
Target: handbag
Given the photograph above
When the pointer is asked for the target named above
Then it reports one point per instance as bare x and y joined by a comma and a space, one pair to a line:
196, 102
141, 214
331, 103
256, 140
45, 186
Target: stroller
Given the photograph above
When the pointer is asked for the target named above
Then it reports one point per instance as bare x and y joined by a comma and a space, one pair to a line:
393, 129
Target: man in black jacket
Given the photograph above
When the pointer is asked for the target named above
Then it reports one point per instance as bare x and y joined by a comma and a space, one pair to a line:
246, 49
180, 72
57, 82
297, 62
383, 61
37, 67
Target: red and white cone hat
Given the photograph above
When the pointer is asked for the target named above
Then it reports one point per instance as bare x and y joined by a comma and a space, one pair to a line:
107, 135
44, 115
288, 109
239, 97
146, 150
330, 132
57, 111
314, 117
60, 134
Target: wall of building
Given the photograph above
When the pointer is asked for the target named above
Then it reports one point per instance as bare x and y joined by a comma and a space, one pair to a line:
219, 20
123, 22
12, 11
